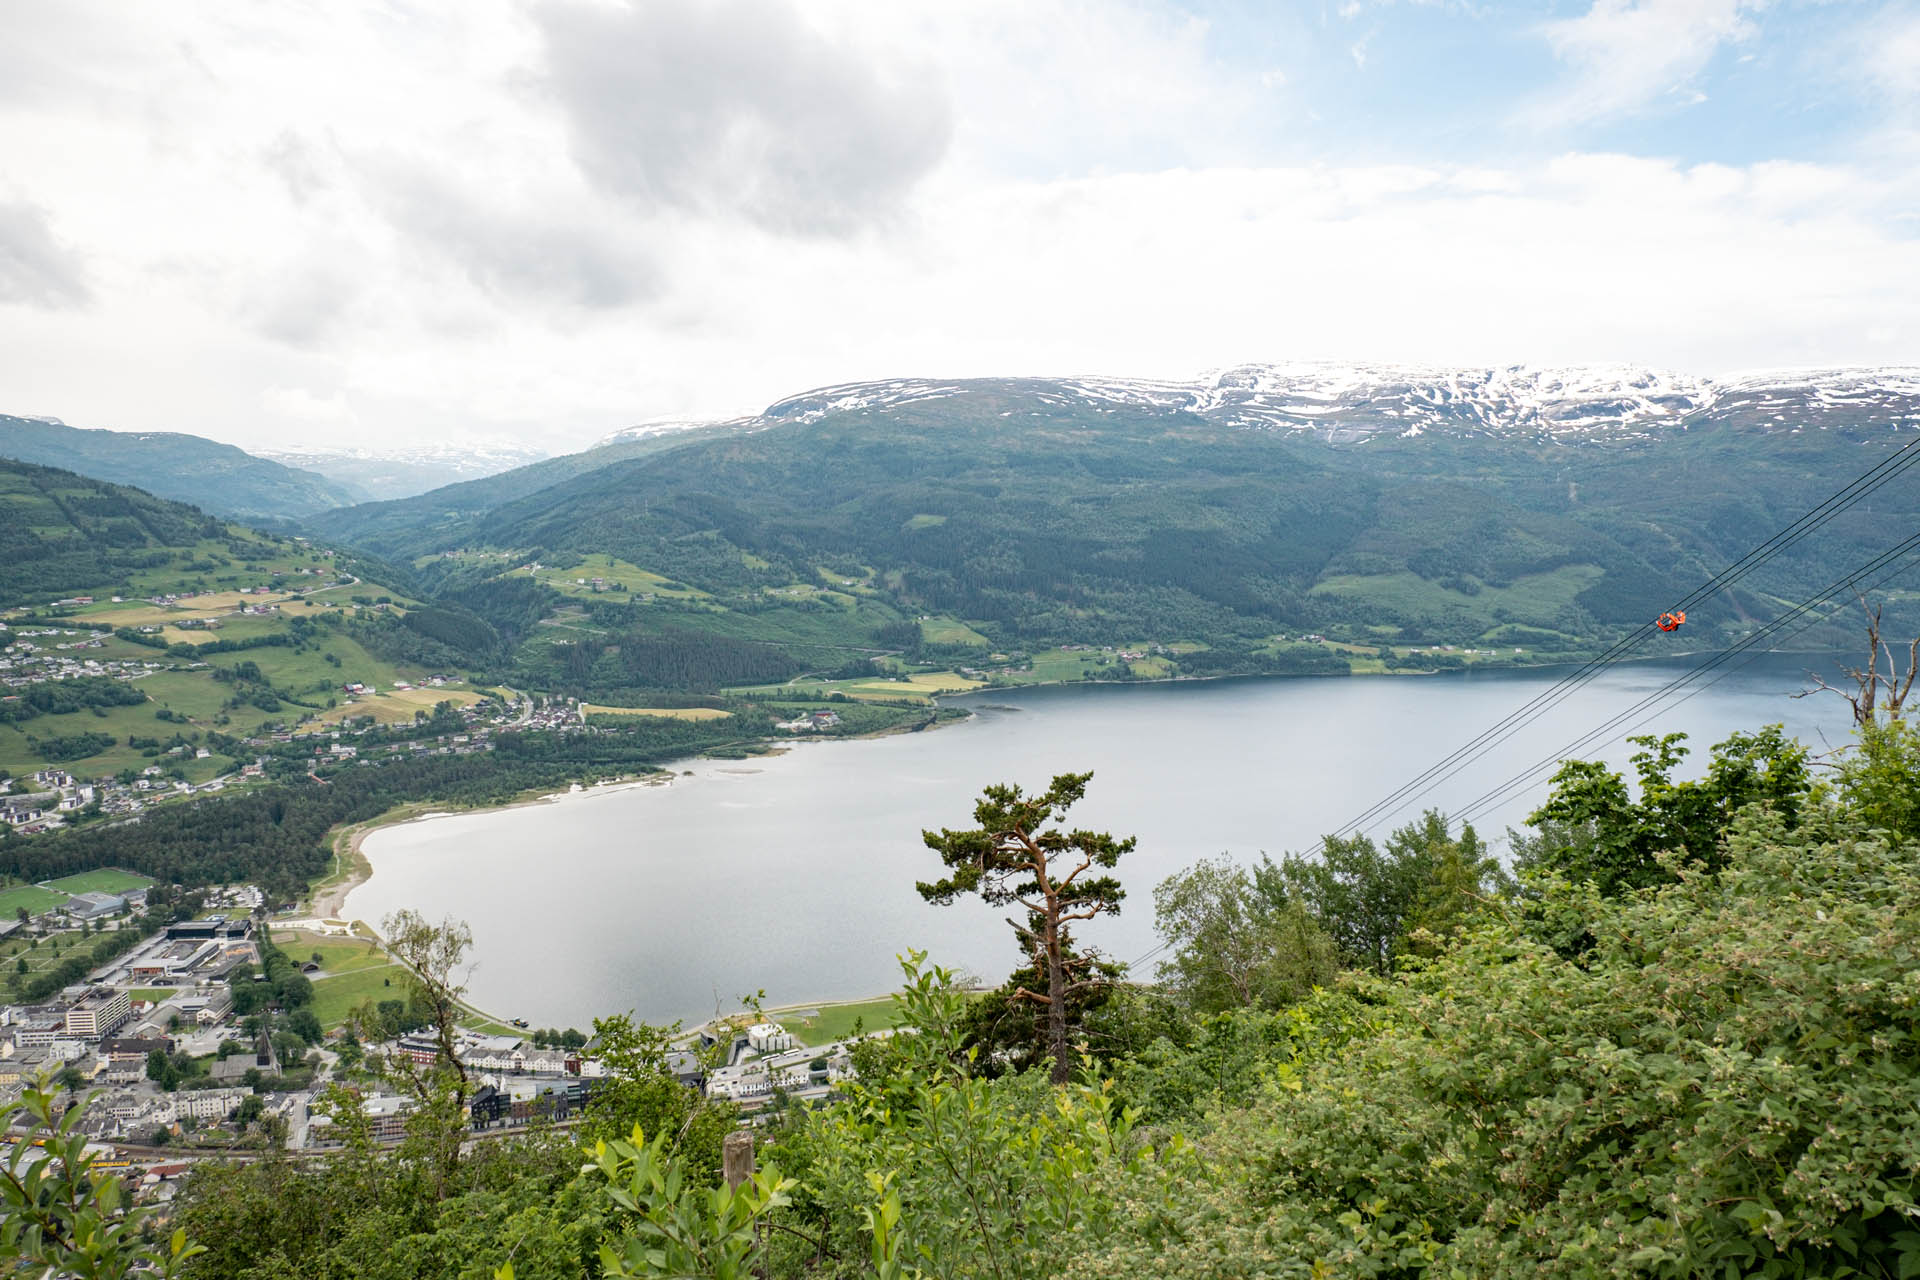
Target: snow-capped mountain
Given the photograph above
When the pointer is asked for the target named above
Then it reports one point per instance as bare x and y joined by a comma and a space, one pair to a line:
1358, 401
382, 474
649, 430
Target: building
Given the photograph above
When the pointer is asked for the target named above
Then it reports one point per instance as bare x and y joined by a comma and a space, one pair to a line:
101, 1014
36, 1028
423, 1050
490, 1106
387, 1116
91, 906
127, 1058
207, 1104
205, 1007
234, 1067
215, 927
770, 1037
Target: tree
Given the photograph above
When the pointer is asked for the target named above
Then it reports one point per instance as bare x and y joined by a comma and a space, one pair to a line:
1368, 897
1881, 778
59, 1216
1013, 856
1874, 690
1011, 1033
304, 1024
640, 1090
1592, 828
1235, 943
161, 1071
433, 955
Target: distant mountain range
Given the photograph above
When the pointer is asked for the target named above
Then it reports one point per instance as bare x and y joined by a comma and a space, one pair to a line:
215, 477
1344, 402
378, 475
1519, 506
1532, 507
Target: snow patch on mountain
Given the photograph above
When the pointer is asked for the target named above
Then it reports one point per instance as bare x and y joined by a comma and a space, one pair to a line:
1356, 401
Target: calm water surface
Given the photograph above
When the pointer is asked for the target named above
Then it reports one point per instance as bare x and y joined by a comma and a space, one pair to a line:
796, 873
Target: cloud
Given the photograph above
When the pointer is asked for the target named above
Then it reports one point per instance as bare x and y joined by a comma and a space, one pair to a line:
557, 252
36, 269
1628, 55
297, 404
738, 107
303, 303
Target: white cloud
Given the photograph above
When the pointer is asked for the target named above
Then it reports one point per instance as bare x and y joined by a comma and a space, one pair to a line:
738, 107
440, 245
298, 404
1627, 55
35, 268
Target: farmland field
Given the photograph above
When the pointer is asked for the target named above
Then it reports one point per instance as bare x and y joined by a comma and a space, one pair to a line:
951, 631
578, 580
923, 683
395, 706
667, 713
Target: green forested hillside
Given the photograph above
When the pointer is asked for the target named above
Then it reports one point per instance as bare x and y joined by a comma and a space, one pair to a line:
216, 477
1039, 521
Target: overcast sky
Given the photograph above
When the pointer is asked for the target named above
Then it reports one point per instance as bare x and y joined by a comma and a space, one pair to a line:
363, 223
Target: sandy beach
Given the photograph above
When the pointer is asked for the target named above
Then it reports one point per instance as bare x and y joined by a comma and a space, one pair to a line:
329, 899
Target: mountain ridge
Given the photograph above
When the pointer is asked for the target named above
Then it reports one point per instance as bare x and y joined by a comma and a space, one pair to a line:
221, 479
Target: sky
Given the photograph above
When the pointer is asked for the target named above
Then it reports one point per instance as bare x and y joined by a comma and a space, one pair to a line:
369, 224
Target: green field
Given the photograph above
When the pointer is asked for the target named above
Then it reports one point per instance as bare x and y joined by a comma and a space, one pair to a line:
39, 959
106, 880
835, 1021
298, 677
337, 955
577, 580
32, 897
951, 631
334, 997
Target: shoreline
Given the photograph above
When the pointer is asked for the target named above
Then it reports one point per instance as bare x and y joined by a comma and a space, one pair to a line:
327, 897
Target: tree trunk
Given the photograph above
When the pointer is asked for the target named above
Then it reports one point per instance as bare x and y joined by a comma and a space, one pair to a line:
1057, 998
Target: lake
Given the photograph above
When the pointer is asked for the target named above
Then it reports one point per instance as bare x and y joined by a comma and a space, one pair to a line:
795, 873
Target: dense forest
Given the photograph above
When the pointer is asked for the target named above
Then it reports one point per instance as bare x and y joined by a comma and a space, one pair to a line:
1680, 1040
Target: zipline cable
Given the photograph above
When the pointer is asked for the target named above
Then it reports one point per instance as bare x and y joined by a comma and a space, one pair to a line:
1873, 478
1888, 560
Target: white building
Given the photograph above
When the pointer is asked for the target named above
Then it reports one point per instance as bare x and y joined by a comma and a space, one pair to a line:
770, 1037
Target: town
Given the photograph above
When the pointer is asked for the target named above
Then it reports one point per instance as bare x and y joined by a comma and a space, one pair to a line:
174, 1036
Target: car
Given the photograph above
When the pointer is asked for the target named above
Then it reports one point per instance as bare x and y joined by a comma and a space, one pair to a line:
519, 1022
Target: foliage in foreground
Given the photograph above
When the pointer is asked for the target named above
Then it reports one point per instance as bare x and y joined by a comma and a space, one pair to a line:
59, 1215
1722, 1083
1712, 1073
